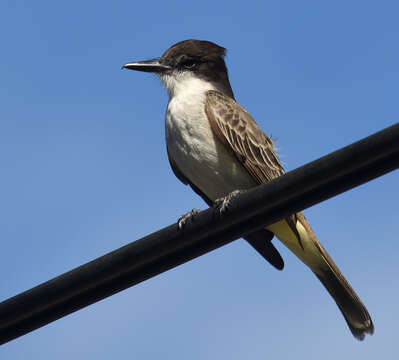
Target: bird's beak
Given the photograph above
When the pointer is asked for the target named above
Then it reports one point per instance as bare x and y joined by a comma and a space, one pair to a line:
153, 65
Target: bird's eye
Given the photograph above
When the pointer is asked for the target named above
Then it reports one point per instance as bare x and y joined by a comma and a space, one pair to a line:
189, 64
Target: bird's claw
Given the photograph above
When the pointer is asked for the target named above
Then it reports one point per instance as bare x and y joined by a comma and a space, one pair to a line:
187, 218
222, 205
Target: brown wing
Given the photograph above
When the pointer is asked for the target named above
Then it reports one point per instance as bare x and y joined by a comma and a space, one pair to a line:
237, 129
239, 132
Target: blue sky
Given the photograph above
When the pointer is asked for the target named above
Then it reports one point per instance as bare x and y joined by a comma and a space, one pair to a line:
82, 155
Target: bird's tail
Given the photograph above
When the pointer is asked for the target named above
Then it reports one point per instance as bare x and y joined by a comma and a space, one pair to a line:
312, 253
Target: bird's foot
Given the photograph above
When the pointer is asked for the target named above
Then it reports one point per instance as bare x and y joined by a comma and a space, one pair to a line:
223, 204
187, 218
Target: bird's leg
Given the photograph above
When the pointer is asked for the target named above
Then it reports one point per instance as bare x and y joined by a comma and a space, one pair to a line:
222, 205
187, 218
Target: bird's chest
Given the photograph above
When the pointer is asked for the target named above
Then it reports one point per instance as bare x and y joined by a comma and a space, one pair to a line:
189, 136
198, 153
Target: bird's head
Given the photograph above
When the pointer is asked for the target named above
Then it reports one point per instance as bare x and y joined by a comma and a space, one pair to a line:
189, 60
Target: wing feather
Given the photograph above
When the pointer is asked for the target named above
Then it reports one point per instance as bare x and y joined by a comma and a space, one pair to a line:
236, 128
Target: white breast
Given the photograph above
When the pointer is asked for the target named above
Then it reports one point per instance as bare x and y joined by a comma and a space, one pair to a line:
197, 152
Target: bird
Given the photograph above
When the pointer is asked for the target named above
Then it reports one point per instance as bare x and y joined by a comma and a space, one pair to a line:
217, 148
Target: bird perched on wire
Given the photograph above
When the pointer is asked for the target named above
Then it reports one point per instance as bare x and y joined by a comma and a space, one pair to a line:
216, 147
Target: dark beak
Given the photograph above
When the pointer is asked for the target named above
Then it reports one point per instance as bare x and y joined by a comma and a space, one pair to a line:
153, 65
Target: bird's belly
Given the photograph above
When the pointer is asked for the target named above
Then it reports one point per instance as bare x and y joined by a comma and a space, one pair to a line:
201, 157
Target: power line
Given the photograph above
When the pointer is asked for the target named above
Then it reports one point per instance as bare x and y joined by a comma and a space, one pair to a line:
140, 260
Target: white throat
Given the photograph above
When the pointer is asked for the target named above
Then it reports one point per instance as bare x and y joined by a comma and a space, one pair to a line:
185, 83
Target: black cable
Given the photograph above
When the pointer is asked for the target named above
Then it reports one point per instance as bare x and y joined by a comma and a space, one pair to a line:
140, 260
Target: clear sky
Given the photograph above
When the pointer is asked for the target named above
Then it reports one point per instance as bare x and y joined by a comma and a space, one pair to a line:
84, 171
